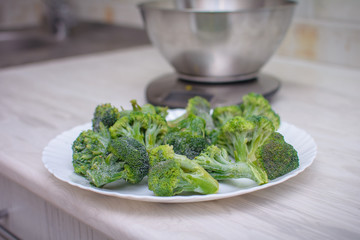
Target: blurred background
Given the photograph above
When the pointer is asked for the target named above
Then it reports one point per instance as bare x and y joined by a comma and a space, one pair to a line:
323, 30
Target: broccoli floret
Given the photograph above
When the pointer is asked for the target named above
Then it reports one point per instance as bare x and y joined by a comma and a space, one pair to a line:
263, 129
127, 160
188, 136
234, 136
129, 126
253, 141
197, 106
136, 108
223, 114
104, 169
242, 136
149, 108
201, 107
185, 143
213, 135
155, 131
192, 124
135, 156
105, 113
146, 108
87, 146
162, 111
171, 174
256, 105
148, 129
217, 162
277, 157
253, 104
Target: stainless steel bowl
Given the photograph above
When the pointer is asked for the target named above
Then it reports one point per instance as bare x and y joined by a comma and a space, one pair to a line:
217, 40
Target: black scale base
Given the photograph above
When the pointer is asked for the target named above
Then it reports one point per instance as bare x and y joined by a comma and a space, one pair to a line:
168, 90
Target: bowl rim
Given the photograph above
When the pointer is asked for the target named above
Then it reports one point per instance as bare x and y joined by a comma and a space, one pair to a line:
152, 5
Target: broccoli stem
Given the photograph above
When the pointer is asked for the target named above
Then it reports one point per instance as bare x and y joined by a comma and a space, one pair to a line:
235, 170
195, 178
220, 166
239, 170
152, 136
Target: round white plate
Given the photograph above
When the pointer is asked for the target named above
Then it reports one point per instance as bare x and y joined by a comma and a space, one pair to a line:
57, 158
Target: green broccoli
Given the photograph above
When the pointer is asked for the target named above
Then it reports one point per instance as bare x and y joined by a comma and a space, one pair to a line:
105, 113
185, 143
127, 159
149, 108
217, 162
277, 157
188, 136
136, 108
171, 174
148, 129
234, 137
87, 146
213, 135
192, 124
253, 141
104, 169
162, 111
146, 108
242, 136
197, 106
221, 115
256, 105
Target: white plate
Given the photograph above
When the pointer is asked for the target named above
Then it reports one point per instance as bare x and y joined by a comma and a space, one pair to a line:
57, 158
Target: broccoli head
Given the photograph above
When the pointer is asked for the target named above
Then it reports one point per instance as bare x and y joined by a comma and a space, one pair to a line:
148, 129
199, 107
185, 143
104, 169
223, 114
192, 124
88, 145
256, 105
149, 108
134, 155
234, 136
242, 136
105, 113
188, 136
171, 174
277, 157
253, 141
127, 159
217, 162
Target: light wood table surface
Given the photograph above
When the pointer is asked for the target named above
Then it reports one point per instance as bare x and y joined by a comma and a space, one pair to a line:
40, 101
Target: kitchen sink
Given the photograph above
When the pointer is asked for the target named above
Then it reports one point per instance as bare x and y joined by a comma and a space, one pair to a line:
30, 45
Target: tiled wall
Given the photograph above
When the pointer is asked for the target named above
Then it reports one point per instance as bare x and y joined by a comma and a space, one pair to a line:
325, 31
20, 13
322, 30
112, 11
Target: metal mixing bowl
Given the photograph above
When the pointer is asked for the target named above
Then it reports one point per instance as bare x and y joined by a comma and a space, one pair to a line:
217, 40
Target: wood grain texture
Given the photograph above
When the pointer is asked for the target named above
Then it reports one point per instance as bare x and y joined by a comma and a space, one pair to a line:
39, 101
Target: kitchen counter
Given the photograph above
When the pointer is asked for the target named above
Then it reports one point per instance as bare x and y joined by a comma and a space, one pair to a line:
34, 44
40, 101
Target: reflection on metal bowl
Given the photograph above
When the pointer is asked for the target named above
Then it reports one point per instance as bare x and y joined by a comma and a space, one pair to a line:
217, 40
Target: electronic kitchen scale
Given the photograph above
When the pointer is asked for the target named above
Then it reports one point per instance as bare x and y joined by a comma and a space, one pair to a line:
169, 90
216, 47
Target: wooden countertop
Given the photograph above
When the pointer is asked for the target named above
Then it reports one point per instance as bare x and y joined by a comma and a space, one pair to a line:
39, 101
